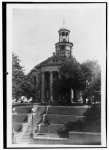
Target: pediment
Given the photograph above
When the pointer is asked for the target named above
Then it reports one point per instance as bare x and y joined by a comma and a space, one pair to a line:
51, 61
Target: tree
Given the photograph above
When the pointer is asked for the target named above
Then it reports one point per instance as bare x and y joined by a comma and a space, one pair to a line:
71, 77
92, 74
85, 77
21, 84
17, 77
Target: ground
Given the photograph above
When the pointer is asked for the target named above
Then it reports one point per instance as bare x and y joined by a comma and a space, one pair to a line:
93, 127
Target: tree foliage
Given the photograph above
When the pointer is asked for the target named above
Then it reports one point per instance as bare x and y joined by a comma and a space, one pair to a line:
92, 74
70, 71
21, 84
17, 77
85, 77
70, 77
93, 113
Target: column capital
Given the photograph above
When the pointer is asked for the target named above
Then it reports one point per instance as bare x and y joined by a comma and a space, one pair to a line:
51, 72
42, 72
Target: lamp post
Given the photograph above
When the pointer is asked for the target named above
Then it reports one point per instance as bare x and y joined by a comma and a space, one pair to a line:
32, 130
13, 133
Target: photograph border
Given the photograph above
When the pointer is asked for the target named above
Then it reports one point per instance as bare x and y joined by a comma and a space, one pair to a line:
5, 73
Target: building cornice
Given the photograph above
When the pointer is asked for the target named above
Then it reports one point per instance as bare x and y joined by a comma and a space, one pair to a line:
63, 43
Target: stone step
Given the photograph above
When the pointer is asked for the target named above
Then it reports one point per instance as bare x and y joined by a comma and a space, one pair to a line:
60, 119
52, 128
75, 140
23, 142
48, 136
43, 139
49, 139
25, 138
67, 110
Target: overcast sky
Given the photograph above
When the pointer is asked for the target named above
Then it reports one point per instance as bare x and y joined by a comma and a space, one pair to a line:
35, 31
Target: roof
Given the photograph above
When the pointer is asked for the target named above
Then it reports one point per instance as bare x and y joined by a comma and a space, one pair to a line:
47, 62
63, 28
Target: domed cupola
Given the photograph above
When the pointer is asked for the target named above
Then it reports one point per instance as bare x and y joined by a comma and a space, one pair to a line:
64, 47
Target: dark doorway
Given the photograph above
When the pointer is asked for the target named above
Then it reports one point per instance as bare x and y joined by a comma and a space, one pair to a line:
55, 86
47, 86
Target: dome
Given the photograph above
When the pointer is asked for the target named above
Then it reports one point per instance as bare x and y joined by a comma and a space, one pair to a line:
64, 27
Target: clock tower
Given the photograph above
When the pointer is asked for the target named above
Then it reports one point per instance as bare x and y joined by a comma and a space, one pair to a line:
64, 47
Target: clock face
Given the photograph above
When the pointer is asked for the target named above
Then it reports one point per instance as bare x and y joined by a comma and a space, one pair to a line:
68, 54
57, 48
68, 47
61, 47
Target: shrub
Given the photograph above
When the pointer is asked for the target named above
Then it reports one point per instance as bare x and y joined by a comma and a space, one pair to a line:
70, 126
92, 120
90, 123
47, 121
17, 127
93, 113
63, 133
75, 126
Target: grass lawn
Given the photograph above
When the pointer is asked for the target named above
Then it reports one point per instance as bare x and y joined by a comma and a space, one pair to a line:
20, 118
17, 127
23, 109
94, 126
67, 110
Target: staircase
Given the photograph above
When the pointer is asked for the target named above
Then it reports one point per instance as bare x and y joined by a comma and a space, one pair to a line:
23, 123
25, 138
47, 121
54, 120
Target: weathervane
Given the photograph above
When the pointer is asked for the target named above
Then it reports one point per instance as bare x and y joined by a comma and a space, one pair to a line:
64, 22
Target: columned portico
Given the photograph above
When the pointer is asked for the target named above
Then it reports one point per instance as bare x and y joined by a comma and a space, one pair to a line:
47, 79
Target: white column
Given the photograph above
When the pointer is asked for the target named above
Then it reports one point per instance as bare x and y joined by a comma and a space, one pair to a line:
59, 37
72, 95
80, 96
68, 37
42, 87
51, 85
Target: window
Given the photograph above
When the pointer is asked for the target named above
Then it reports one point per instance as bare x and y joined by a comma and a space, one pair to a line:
68, 47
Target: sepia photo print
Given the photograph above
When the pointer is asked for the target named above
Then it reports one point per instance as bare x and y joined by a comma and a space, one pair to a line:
56, 82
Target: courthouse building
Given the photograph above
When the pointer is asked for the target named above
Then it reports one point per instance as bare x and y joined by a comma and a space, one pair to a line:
45, 73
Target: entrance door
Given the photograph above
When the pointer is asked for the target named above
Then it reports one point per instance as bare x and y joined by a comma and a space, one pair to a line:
47, 86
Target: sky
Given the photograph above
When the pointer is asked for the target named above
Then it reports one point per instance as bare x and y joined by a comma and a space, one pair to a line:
35, 31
